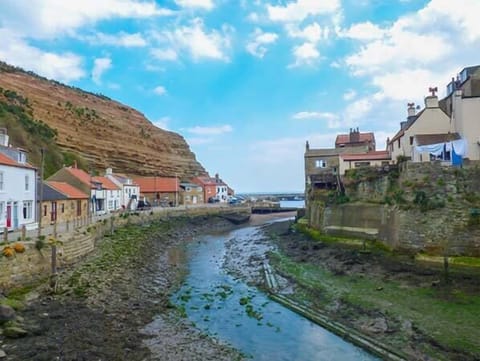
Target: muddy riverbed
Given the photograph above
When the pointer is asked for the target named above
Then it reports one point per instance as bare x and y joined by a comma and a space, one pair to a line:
103, 305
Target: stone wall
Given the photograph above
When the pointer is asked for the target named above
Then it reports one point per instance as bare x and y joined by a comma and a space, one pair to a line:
33, 264
419, 208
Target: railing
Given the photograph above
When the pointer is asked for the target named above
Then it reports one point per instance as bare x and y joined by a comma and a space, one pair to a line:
57, 228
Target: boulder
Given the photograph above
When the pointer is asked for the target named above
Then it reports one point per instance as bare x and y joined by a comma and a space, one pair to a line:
14, 332
7, 313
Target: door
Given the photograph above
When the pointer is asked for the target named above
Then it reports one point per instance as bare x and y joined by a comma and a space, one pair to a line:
194, 199
79, 208
53, 212
9, 215
15, 215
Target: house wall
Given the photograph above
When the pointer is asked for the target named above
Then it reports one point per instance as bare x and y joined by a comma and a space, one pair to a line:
192, 195
431, 121
130, 190
69, 213
209, 191
222, 193
14, 196
351, 164
113, 200
466, 120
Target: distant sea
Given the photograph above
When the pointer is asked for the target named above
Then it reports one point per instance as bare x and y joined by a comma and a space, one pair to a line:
292, 204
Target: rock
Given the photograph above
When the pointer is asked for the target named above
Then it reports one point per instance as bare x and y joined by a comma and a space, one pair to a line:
7, 313
14, 332
2, 354
377, 325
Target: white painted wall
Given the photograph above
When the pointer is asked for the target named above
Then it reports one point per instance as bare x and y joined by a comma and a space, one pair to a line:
222, 193
466, 121
13, 194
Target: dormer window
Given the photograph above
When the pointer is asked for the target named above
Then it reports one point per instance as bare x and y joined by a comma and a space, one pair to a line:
22, 158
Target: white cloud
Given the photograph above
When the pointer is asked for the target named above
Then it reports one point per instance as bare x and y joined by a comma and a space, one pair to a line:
205, 4
333, 120
121, 39
198, 41
312, 33
305, 54
65, 67
160, 90
199, 141
214, 130
364, 31
50, 18
259, 39
165, 54
100, 66
253, 17
299, 10
357, 110
349, 95
162, 123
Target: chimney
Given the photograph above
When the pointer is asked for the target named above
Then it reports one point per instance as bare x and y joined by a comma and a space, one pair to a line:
411, 110
431, 101
217, 178
354, 135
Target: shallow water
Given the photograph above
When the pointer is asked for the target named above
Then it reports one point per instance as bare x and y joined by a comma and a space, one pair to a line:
230, 310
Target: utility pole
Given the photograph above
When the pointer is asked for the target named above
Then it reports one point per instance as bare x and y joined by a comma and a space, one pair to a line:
176, 190
40, 200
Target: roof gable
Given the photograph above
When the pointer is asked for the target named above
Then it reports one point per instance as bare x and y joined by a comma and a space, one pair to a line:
68, 190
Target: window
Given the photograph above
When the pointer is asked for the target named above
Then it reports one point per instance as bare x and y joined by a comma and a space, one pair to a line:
398, 143
2, 210
1, 181
26, 182
44, 210
320, 163
62, 208
411, 140
27, 209
362, 164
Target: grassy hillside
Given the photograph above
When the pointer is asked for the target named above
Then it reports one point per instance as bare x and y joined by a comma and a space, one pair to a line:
31, 134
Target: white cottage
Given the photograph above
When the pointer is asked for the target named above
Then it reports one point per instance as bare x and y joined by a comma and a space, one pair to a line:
17, 190
129, 189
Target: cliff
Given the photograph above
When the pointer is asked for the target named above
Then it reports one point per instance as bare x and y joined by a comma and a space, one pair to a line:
102, 131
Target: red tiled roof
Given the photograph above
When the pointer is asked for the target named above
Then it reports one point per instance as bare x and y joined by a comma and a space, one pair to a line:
363, 137
106, 183
378, 155
67, 189
157, 184
4, 160
80, 174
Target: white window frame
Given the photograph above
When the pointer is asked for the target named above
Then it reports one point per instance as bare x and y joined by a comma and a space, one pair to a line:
320, 163
1, 181
29, 206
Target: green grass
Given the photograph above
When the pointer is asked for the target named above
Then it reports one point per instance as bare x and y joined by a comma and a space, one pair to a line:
451, 318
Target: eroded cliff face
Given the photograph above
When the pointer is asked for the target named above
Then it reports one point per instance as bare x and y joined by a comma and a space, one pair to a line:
103, 131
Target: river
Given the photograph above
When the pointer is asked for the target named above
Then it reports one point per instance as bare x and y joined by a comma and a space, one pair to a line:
225, 307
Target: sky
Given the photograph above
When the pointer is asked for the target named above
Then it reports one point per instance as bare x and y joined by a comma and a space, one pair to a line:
248, 82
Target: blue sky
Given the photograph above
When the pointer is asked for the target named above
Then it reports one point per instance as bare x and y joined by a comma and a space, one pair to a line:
248, 82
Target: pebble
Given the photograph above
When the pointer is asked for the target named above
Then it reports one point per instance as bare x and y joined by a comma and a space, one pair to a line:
2, 354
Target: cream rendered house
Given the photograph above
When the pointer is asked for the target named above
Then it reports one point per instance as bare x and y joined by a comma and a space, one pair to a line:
431, 120
462, 104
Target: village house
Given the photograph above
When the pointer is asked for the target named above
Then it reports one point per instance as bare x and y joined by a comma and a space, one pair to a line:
113, 194
214, 189
431, 120
378, 158
462, 106
130, 191
83, 181
159, 191
322, 165
17, 188
191, 193
62, 202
